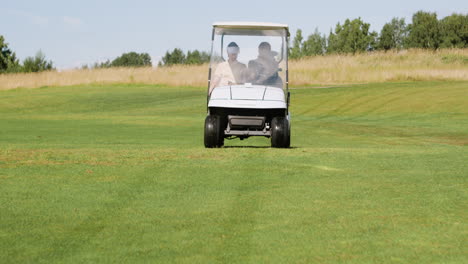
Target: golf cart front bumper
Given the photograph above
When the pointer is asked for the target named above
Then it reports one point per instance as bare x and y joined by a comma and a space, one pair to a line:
247, 126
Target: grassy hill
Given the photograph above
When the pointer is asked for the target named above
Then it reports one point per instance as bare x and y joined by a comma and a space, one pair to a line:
377, 174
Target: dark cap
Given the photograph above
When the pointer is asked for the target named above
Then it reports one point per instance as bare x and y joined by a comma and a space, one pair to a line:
233, 44
264, 46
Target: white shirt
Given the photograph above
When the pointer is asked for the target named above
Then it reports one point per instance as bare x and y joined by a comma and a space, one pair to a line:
224, 74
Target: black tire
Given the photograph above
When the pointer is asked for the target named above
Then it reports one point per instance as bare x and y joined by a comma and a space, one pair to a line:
214, 136
280, 136
288, 137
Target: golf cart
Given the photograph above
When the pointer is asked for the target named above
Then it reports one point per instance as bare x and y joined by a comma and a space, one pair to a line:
248, 83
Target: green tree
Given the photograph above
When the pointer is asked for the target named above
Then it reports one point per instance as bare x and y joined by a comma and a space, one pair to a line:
193, 57
197, 57
393, 35
424, 32
132, 59
8, 60
104, 64
314, 45
177, 56
37, 63
351, 37
205, 57
454, 31
332, 42
295, 51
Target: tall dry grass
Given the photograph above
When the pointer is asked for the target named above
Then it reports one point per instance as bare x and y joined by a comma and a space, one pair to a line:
410, 65
407, 65
180, 75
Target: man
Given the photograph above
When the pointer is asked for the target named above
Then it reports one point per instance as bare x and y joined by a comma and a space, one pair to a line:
229, 72
264, 69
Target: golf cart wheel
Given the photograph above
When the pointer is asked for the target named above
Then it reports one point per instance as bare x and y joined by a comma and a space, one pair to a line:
280, 136
213, 132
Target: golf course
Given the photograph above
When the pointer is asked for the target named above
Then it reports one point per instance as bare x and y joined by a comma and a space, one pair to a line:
118, 173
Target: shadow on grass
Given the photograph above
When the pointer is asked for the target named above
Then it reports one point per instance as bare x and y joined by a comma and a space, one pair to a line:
257, 147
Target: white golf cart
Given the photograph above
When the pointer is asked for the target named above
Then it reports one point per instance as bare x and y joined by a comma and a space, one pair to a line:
248, 83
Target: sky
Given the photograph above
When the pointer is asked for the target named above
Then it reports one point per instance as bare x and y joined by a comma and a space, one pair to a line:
74, 33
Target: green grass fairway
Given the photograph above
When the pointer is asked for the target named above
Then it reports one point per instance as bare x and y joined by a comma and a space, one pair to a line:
111, 174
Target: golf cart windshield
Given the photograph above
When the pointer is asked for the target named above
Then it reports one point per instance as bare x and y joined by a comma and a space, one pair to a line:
256, 56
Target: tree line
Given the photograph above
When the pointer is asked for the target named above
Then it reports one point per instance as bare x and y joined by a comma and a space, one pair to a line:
129, 59
9, 63
425, 31
177, 56
134, 59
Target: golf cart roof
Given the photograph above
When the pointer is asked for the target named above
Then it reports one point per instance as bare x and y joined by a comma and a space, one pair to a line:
250, 25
